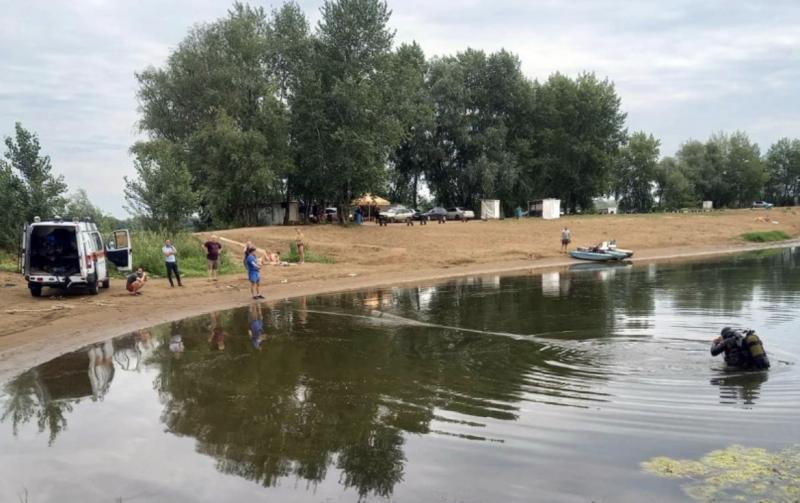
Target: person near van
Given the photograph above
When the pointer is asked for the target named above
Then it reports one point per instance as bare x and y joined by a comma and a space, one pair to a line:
136, 281
566, 239
743, 349
253, 274
171, 261
213, 248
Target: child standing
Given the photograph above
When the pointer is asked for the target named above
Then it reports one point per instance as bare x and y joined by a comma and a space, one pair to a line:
253, 274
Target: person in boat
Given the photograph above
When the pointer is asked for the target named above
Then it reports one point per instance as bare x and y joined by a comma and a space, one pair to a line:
743, 349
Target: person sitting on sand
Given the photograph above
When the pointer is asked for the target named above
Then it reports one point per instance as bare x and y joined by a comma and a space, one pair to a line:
743, 350
136, 281
271, 258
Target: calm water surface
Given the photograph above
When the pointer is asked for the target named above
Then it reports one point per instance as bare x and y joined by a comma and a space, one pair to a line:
549, 387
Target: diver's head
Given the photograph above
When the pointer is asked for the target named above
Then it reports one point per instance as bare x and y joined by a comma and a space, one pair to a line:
727, 332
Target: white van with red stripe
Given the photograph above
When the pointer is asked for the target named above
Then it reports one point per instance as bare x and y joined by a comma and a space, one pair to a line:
68, 255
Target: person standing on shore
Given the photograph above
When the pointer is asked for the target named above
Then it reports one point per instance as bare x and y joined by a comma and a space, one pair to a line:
171, 261
301, 246
253, 274
213, 248
566, 239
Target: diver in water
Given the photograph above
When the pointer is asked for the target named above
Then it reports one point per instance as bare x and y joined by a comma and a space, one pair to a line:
743, 349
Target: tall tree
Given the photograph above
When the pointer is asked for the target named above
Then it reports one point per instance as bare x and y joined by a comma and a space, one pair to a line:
635, 172
13, 200
414, 108
674, 189
580, 131
161, 194
356, 128
218, 101
45, 191
479, 101
783, 169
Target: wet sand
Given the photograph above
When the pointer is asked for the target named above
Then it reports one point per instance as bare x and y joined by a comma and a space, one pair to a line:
33, 331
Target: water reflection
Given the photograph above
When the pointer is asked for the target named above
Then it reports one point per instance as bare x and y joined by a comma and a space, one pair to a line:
337, 386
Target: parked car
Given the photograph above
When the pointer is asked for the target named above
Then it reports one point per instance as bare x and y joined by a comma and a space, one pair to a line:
397, 214
436, 213
63, 254
762, 204
459, 213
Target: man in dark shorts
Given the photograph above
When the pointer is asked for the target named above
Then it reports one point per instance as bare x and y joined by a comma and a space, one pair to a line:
743, 349
136, 281
213, 248
566, 239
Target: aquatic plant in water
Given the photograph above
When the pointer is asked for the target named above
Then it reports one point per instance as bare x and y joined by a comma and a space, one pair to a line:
736, 473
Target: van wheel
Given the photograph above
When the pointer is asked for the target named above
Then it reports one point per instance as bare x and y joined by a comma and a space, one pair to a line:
36, 290
106, 283
92, 287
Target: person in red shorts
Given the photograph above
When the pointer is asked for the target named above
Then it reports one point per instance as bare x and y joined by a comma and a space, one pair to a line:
136, 281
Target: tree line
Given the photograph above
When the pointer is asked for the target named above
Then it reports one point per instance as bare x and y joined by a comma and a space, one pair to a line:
258, 107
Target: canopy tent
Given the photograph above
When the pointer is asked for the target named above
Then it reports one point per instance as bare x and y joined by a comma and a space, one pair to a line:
370, 200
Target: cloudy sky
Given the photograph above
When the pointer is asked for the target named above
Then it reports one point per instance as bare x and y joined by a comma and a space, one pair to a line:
684, 69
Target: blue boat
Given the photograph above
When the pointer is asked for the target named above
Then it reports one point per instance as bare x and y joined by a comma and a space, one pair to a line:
597, 256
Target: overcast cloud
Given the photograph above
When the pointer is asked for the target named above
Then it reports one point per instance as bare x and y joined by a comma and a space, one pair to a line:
684, 69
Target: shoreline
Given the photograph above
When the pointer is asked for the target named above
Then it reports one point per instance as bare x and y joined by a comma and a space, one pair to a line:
32, 345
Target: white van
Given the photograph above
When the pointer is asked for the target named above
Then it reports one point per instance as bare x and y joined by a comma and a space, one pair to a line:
66, 255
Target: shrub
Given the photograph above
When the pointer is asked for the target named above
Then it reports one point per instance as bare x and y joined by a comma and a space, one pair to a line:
765, 236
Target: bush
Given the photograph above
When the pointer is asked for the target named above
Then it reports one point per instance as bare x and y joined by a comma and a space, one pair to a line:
191, 254
309, 255
765, 236
8, 261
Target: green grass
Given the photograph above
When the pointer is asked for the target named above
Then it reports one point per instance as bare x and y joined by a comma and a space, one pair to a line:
191, 254
8, 261
765, 236
310, 256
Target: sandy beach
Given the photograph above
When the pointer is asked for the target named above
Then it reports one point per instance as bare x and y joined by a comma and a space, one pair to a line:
36, 330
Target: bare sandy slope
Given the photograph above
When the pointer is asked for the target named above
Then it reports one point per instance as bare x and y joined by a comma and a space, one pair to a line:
35, 330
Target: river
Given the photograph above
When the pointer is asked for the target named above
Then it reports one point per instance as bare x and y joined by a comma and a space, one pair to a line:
546, 387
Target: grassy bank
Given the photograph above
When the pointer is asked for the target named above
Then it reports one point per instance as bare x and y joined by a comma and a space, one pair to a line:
191, 254
765, 236
8, 261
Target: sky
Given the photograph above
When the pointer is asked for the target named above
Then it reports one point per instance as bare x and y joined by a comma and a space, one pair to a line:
683, 69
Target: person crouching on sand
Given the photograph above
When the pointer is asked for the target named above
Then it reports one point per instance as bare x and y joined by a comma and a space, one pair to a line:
253, 274
136, 281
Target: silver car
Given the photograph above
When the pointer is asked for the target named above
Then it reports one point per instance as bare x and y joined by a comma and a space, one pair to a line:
459, 213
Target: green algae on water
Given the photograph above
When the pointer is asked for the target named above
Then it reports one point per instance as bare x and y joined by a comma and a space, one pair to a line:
736, 473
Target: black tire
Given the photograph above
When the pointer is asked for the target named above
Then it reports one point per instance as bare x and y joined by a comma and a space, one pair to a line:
36, 290
92, 287
106, 283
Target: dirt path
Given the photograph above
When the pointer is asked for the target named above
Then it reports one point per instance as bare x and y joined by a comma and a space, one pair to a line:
35, 330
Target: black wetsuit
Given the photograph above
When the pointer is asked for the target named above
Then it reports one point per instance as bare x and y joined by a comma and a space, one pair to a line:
737, 356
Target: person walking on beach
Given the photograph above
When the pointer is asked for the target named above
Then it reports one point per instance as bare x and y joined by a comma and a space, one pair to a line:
135, 281
566, 239
253, 274
301, 246
212, 247
171, 261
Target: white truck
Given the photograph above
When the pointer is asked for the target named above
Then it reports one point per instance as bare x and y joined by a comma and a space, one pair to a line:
71, 254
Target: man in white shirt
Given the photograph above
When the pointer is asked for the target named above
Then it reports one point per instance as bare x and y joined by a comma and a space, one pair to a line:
171, 261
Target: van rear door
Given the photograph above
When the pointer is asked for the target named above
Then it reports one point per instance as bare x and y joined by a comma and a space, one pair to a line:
118, 249
23, 249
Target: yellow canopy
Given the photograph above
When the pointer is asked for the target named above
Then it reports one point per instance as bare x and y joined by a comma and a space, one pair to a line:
370, 200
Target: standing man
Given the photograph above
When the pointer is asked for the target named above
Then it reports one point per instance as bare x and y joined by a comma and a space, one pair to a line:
253, 274
171, 261
300, 241
212, 247
565, 239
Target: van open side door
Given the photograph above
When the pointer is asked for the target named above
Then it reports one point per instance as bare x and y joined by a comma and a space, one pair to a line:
118, 249
23, 248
